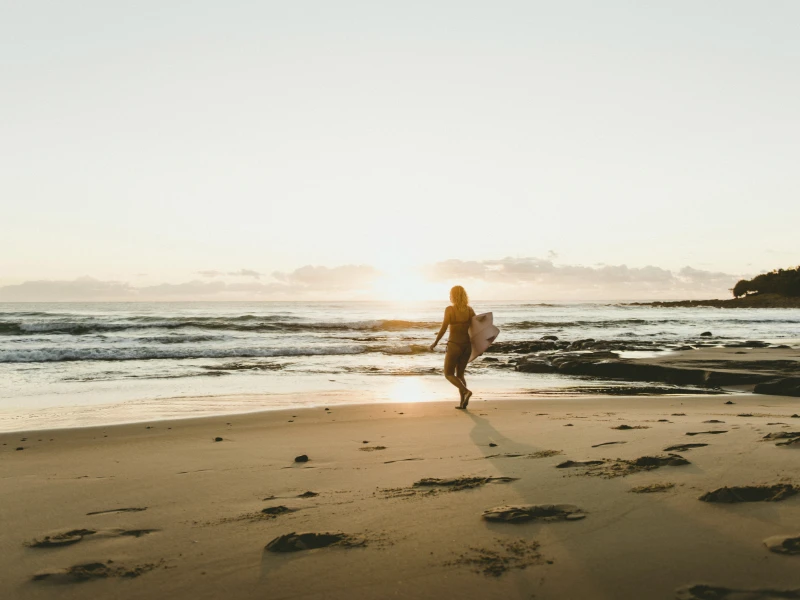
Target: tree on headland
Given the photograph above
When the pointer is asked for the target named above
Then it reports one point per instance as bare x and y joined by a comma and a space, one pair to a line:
784, 282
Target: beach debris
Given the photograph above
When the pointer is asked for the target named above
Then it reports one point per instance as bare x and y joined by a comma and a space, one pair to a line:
626, 427
61, 539
607, 444
729, 402
791, 436
492, 445
609, 468
574, 463
20, 448
678, 414
217, 439
539, 454
115, 510
534, 512
745, 415
296, 542
89, 571
569, 425
683, 447
713, 421
461, 483
709, 432
301, 459
651, 488
388, 462
715, 592
783, 544
372, 448
433, 485
751, 493
513, 554
308, 495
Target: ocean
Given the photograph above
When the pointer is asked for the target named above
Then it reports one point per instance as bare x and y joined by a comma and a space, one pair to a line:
71, 364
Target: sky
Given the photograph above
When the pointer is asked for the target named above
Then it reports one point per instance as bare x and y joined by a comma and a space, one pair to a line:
531, 150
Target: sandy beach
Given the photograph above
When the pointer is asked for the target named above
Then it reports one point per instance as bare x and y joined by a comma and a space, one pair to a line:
162, 510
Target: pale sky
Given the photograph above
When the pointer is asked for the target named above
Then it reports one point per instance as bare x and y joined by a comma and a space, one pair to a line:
359, 149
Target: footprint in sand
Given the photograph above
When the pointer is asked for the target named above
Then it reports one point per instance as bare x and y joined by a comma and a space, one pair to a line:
67, 538
714, 592
751, 493
783, 544
534, 512
296, 542
89, 571
115, 510
683, 447
652, 488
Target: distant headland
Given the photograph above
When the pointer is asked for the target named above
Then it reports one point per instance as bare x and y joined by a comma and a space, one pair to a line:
777, 289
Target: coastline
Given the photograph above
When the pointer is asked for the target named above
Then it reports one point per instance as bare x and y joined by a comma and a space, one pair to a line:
754, 301
201, 533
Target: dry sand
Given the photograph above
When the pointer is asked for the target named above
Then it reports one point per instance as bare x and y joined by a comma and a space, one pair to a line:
161, 510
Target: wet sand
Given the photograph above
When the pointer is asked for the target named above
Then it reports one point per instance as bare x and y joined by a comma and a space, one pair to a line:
162, 510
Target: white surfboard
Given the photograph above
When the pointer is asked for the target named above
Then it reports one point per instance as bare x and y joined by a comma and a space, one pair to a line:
482, 334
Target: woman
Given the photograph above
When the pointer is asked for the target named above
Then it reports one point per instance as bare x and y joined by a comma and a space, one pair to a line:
457, 317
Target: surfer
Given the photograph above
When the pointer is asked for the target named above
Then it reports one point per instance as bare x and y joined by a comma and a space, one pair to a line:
457, 316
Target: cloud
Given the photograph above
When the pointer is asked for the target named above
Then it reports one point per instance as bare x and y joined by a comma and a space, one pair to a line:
239, 273
347, 277
346, 281
598, 281
78, 290
528, 278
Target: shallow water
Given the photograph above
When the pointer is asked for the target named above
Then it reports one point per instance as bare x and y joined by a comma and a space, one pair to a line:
129, 357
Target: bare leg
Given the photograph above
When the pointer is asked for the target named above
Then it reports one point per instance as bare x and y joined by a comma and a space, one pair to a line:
457, 382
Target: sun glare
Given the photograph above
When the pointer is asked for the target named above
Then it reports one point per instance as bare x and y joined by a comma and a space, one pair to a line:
404, 286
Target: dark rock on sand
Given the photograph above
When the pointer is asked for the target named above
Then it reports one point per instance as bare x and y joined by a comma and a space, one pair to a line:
535, 366
626, 427
729, 402
296, 542
790, 386
534, 512
706, 334
551, 338
277, 510
751, 493
301, 459
709, 432
217, 439
308, 495
783, 544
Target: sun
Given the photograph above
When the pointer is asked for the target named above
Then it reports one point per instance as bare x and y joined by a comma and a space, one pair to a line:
404, 286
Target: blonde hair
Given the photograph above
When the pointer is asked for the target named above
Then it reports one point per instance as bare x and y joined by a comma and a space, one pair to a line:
458, 297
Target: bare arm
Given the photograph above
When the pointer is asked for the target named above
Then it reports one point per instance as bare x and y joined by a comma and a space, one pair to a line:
445, 324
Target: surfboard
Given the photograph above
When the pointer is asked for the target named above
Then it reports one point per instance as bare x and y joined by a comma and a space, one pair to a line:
482, 334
